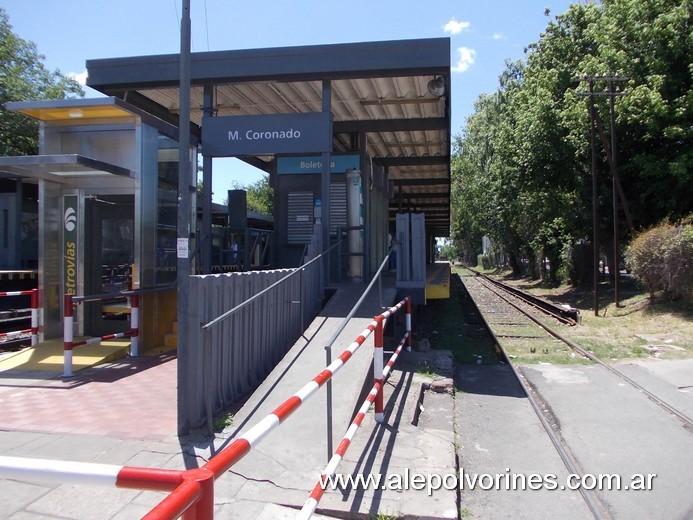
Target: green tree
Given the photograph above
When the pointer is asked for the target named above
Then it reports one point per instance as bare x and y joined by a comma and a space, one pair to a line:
259, 194
521, 168
649, 42
23, 77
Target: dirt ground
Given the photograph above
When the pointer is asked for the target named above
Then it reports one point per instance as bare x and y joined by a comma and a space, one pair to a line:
637, 328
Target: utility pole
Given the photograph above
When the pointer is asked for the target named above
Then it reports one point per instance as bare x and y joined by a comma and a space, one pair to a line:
614, 178
595, 205
617, 190
183, 221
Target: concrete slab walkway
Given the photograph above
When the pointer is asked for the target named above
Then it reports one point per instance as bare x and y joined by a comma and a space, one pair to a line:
613, 429
287, 463
498, 433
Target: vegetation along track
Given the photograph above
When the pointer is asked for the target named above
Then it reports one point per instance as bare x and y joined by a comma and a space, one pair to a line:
525, 338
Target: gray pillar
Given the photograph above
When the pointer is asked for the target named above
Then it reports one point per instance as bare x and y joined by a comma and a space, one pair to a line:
325, 184
206, 246
184, 208
367, 175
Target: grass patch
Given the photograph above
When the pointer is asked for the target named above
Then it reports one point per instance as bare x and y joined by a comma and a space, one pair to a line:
448, 324
222, 422
427, 371
638, 329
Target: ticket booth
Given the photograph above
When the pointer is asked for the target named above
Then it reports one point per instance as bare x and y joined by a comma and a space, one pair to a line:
107, 183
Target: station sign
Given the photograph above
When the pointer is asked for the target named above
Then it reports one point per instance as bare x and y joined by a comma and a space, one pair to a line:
231, 136
313, 164
70, 233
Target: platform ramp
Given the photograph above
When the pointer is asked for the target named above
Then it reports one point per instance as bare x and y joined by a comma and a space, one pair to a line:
293, 454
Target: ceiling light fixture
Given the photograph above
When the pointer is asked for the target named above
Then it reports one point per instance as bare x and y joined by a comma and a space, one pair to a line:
437, 86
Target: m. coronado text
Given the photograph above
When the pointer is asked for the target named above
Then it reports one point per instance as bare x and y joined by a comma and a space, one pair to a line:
259, 135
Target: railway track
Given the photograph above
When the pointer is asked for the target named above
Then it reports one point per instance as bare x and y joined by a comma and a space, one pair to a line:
546, 338
563, 314
516, 328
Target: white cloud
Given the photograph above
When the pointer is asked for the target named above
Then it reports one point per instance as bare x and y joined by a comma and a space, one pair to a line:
79, 77
455, 27
497, 36
466, 60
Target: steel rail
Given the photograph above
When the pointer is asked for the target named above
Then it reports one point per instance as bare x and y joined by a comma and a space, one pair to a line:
568, 459
549, 308
688, 422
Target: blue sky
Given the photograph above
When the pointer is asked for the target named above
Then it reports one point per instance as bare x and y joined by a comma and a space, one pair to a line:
483, 35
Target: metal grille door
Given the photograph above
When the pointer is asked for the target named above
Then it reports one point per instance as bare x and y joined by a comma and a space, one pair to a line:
300, 217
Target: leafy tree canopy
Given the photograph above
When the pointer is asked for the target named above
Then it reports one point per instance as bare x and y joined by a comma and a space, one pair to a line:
24, 77
259, 194
521, 167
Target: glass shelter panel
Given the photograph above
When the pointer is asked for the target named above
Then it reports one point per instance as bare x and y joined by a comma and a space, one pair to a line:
109, 258
167, 204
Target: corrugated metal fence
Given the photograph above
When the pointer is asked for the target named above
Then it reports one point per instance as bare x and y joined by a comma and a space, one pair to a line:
231, 358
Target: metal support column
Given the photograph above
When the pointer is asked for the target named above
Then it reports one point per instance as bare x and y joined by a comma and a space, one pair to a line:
325, 181
183, 222
325, 221
367, 176
206, 235
614, 182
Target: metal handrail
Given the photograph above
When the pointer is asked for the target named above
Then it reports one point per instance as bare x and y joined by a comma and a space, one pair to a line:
133, 292
247, 302
333, 338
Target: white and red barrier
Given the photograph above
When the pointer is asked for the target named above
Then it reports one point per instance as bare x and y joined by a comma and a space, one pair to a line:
378, 365
66, 472
225, 459
192, 491
34, 315
329, 471
68, 332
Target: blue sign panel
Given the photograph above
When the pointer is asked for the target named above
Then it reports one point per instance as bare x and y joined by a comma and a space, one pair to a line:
313, 164
231, 136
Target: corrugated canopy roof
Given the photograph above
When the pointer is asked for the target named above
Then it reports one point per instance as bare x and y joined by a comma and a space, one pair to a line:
378, 88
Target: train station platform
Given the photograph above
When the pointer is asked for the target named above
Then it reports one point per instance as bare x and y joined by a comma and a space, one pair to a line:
123, 411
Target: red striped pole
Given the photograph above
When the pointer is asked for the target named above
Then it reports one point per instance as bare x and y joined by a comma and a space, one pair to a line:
241, 446
91, 341
91, 473
134, 325
378, 368
312, 503
67, 335
329, 471
13, 333
34, 317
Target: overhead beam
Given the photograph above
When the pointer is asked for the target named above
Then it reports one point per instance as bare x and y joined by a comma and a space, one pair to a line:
442, 181
391, 125
301, 63
421, 203
422, 195
438, 160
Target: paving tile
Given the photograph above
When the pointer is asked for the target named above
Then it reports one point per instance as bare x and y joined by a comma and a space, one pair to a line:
128, 399
15, 496
83, 502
